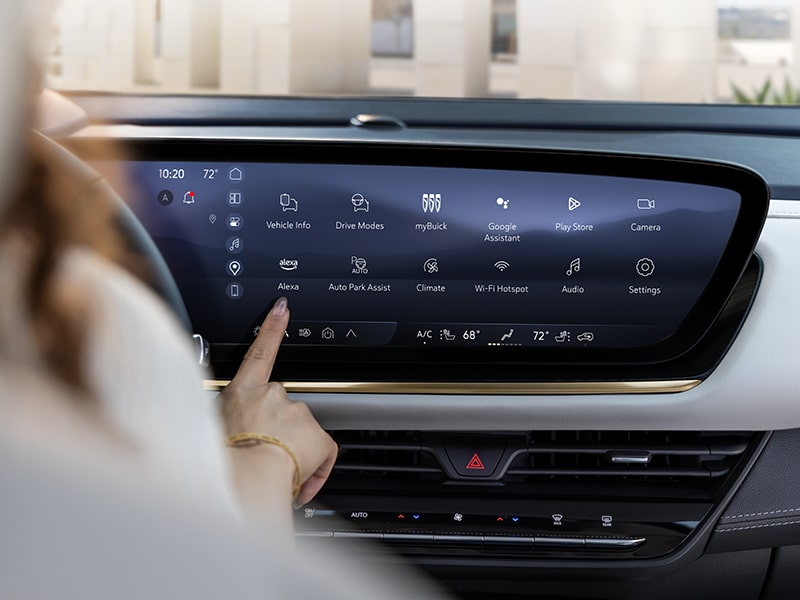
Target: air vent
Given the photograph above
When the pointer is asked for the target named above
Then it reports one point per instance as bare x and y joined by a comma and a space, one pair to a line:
603, 454
684, 463
386, 452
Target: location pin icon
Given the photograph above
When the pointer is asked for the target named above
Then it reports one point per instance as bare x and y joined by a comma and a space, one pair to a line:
234, 267
213, 218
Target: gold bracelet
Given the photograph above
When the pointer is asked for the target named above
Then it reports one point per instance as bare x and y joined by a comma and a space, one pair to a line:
236, 441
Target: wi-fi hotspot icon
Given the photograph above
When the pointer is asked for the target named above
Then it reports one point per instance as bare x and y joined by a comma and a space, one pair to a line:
501, 265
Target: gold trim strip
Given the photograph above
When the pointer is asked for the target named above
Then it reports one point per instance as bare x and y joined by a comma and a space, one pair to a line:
500, 389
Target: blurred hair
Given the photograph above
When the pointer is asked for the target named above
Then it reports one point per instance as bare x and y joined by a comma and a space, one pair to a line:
48, 213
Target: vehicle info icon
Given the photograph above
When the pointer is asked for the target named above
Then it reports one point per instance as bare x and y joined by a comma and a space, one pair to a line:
288, 203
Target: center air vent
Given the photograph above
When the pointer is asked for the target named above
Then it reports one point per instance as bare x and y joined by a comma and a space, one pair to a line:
548, 459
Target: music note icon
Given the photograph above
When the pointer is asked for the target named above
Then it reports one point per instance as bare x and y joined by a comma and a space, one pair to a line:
574, 267
234, 244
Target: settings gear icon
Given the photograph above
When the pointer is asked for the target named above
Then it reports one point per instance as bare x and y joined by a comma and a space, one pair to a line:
645, 267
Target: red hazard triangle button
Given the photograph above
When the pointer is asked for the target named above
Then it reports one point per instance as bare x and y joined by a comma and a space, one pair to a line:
476, 463
474, 457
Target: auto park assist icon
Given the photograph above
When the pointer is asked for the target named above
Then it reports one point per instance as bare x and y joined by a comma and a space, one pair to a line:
360, 204
359, 265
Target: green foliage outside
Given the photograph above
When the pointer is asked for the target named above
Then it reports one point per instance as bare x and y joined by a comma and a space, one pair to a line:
768, 94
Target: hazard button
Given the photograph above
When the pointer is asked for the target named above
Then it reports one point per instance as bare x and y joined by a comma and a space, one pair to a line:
475, 457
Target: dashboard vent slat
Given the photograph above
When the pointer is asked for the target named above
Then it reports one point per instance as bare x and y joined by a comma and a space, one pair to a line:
550, 455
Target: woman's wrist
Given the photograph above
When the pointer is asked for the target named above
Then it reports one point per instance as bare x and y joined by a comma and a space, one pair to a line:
249, 439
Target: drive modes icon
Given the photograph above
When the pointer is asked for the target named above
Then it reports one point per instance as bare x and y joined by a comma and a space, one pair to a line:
359, 203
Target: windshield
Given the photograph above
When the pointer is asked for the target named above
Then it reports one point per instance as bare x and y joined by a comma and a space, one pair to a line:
631, 50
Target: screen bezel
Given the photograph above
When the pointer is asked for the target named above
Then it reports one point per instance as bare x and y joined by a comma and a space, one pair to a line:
385, 361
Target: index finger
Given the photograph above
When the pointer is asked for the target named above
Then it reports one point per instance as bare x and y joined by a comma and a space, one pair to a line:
257, 365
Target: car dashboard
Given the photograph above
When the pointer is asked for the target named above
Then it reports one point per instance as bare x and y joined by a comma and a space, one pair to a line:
553, 340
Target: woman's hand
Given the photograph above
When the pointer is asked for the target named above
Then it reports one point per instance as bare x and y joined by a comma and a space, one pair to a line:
251, 403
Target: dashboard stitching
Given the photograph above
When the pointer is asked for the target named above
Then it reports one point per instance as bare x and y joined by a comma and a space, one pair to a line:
778, 524
761, 514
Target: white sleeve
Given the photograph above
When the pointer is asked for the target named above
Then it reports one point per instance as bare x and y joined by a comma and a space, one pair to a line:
143, 369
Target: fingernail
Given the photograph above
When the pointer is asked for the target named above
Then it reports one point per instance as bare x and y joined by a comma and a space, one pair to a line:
280, 307
297, 506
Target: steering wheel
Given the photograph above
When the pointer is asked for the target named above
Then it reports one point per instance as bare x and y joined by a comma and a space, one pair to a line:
86, 185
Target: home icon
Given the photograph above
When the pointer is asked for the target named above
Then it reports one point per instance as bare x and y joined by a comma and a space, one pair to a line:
235, 174
327, 333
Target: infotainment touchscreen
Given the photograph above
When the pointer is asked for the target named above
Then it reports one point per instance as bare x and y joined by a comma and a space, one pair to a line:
415, 249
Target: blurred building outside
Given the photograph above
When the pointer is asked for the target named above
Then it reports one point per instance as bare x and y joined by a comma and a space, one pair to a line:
637, 50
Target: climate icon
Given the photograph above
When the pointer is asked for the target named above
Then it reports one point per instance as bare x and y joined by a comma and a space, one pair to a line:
431, 266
